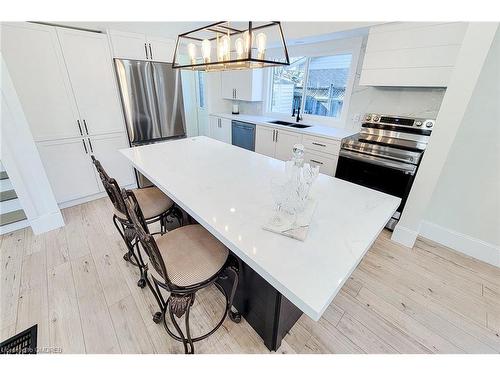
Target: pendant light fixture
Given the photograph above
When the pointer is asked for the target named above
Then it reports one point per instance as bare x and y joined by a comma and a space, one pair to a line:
228, 45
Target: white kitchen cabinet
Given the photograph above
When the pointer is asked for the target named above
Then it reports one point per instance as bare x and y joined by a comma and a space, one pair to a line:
138, 46
106, 149
285, 141
127, 45
243, 85
220, 129
89, 64
327, 163
161, 49
36, 65
264, 141
420, 54
276, 143
69, 169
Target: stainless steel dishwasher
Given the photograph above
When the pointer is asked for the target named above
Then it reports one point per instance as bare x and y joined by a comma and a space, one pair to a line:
243, 135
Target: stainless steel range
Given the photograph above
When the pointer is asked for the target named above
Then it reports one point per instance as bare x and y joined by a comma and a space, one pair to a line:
385, 155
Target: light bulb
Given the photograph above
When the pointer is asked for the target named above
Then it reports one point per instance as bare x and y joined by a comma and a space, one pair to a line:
225, 50
246, 37
206, 48
192, 52
261, 45
238, 45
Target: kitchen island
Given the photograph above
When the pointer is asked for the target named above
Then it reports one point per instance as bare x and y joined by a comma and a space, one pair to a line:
228, 191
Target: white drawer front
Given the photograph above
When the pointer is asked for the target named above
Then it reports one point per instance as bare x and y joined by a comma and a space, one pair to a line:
321, 144
327, 163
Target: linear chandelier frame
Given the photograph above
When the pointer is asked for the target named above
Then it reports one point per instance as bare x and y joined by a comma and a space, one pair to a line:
222, 28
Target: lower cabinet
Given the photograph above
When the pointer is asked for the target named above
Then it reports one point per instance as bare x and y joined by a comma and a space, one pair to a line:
284, 144
69, 169
220, 129
278, 143
275, 143
106, 149
327, 163
69, 166
264, 141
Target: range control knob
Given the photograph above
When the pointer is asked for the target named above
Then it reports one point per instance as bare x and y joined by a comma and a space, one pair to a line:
376, 118
429, 124
418, 123
368, 117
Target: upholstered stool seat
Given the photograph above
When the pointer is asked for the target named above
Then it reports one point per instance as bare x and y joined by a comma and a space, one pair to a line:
152, 201
192, 255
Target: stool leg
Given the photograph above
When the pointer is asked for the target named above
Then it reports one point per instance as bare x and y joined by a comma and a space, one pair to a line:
233, 315
178, 305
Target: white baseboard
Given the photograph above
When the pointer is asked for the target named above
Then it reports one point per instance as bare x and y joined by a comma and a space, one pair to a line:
78, 201
463, 243
47, 223
404, 236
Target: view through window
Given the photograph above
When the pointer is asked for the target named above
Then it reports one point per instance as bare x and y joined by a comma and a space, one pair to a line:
323, 79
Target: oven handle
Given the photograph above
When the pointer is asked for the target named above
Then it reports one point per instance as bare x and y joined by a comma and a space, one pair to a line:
407, 168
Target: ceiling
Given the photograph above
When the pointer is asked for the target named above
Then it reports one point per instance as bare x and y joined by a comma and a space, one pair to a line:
294, 31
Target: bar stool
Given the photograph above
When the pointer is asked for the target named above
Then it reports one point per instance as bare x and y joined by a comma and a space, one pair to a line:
183, 261
155, 205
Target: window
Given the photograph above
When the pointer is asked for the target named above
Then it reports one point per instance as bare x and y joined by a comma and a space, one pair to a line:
287, 84
315, 84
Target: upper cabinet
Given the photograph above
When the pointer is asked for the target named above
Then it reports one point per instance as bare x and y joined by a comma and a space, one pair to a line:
420, 54
88, 62
137, 46
242, 85
36, 65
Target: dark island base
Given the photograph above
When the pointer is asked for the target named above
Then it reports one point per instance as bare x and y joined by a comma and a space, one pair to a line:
269, 313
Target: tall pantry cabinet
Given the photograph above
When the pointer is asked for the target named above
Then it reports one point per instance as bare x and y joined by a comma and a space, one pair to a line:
65, 81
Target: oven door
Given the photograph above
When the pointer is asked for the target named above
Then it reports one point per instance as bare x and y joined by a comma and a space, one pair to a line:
388, 176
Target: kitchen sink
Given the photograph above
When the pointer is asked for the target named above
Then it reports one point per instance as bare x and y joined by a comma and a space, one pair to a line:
279, 122
290, 124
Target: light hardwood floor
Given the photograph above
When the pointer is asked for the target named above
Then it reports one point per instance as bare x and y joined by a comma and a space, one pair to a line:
74, 283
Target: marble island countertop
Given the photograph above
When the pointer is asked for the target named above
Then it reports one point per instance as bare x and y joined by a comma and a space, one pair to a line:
227, 190
314, 130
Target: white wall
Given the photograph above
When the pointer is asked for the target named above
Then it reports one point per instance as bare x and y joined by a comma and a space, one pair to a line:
467, 196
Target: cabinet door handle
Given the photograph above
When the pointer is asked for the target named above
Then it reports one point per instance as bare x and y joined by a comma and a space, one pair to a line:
90, 144
85, 146
85, 125
319, 144
150, 52
146, 49
317, 162
273, 135
79, 127
277, 132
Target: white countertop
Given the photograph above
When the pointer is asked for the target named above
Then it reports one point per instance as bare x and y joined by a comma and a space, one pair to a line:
227, 190
315, 130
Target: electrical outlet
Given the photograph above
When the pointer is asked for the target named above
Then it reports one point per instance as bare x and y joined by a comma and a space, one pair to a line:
356, 117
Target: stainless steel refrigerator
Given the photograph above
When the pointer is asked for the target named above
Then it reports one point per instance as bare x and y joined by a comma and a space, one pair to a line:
151, 94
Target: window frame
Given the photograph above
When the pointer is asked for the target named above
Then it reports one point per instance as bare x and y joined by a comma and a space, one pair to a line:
353, 48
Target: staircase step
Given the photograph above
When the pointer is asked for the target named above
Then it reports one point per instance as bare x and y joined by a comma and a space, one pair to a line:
7, 195
5, 185
12, 217
10, 205
14, 226
3, 175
